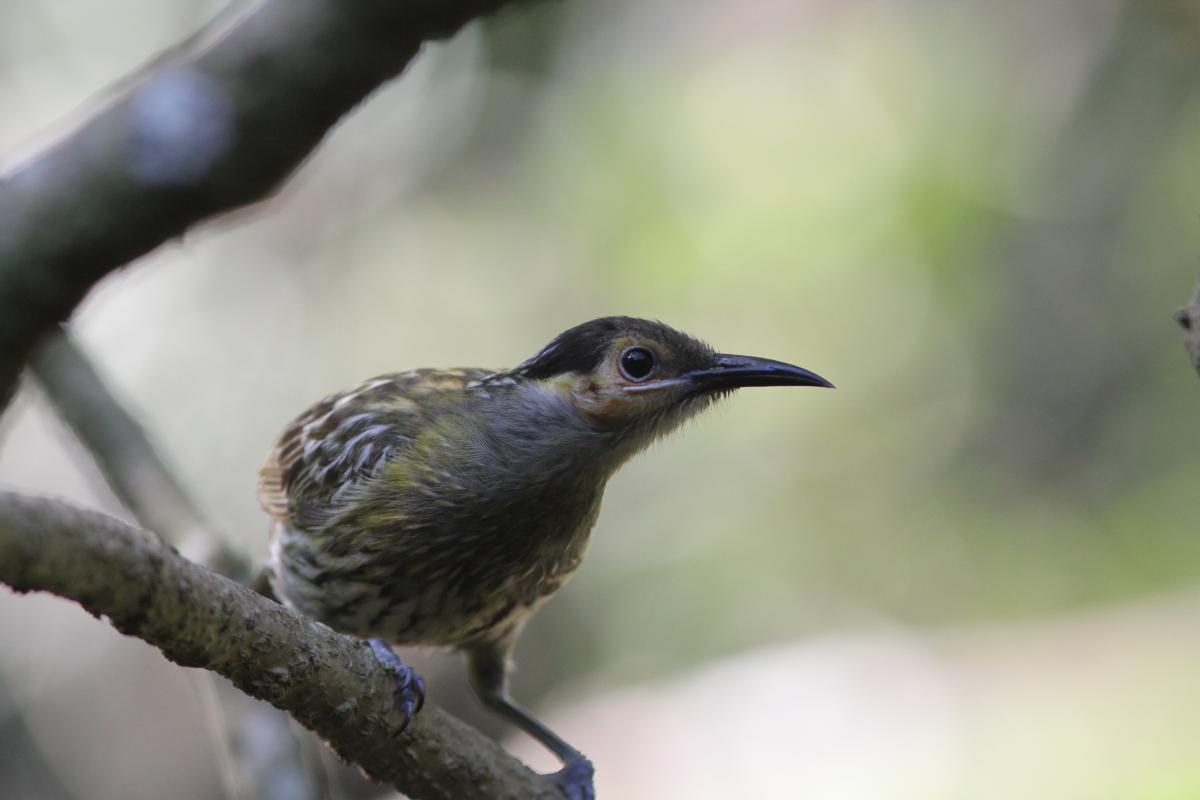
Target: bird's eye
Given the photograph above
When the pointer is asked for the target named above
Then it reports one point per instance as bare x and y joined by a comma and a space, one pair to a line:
637, 363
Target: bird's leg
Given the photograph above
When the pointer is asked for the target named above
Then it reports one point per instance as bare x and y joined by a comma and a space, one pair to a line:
488, 665
410, 687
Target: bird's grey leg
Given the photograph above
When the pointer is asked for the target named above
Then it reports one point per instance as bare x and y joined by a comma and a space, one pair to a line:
410, 687
488, 665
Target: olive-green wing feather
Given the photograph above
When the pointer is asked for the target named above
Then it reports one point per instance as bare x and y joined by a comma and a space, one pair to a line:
345, 439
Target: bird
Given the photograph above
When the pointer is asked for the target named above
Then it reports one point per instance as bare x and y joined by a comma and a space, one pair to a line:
444, 506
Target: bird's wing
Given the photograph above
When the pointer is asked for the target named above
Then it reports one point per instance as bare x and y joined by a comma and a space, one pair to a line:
346, 439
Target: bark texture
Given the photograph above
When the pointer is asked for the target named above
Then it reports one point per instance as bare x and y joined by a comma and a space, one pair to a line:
331, 683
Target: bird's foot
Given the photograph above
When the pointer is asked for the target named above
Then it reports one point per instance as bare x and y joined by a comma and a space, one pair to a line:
575, 779
410, 687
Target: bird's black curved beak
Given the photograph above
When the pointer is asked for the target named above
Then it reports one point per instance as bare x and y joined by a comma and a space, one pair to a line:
734, 372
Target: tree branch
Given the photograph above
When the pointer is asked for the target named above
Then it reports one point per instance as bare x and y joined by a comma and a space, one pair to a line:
213, 125
145, 485
329, 682
128, 460
1188, 318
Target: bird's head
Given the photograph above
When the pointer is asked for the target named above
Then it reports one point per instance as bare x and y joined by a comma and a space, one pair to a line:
625, 374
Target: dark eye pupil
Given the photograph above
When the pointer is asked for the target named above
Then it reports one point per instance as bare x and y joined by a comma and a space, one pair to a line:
637, 362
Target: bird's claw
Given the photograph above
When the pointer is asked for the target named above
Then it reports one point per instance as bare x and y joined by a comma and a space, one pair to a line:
575, 779
410, 687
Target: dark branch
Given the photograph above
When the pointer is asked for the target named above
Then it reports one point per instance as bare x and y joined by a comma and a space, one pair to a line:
1188, 318
330, 683
128, 460
141, 479
215, 124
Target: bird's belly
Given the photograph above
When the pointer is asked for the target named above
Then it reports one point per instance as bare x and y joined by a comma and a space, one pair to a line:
440, 588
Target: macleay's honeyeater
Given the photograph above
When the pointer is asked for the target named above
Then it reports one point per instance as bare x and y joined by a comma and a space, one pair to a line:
442, 507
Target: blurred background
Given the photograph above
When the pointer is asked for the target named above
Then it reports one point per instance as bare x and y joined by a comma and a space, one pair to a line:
971, 572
